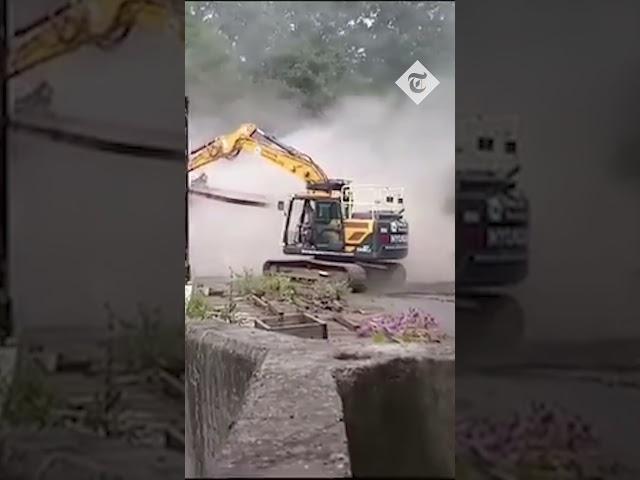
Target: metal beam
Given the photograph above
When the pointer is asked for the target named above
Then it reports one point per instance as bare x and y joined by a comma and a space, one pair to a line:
98, 143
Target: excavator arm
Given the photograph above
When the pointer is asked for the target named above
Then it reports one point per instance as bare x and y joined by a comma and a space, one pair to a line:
102, 23
249, 138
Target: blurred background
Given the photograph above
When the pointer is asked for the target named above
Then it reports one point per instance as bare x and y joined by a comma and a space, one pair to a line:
96, 196
88, 226
566, 336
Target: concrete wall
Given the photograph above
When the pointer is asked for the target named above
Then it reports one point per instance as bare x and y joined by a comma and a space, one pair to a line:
263, 404
398, 416
218, 372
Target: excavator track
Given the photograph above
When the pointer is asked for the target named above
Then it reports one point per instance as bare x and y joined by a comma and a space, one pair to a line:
360, 276
384, 276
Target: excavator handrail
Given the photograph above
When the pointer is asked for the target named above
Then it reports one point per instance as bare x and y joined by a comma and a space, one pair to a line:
251, 139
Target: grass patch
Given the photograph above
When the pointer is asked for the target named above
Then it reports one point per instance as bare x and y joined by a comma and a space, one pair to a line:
29, 399
270, 287
198, 308
324, 293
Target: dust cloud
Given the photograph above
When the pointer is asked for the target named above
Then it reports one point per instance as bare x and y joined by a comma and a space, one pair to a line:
376, 140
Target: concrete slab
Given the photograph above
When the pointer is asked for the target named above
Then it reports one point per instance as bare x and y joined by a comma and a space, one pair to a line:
398, 416
264, 404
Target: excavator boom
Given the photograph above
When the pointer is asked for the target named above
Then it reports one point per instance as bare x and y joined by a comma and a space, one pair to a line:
249, 138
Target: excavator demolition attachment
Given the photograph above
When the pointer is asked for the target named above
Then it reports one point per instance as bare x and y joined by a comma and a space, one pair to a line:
336, 229
200, 188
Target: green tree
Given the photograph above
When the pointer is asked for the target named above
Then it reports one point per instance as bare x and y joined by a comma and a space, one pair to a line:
317, 51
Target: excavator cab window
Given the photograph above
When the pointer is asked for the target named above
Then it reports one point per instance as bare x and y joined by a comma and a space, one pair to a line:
328, 227
510, 147
326, 212
485, 144
308, 216
295, 218
347, 204
301, 218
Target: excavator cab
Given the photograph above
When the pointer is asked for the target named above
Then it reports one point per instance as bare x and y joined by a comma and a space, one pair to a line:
328, 229
313, 225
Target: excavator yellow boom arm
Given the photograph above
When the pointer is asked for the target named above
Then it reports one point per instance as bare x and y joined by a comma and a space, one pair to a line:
249, 138
102, 23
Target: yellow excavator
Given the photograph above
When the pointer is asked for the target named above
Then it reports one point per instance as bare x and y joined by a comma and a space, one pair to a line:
337, 229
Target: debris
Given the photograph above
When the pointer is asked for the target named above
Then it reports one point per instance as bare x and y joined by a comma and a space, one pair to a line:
265, 304
78, 399
351, 355
345, 323
297, 324
174, 439
49, 361
67, 364
215, 292
172, 386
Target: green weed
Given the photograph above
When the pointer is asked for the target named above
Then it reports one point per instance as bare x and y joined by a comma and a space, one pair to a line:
150, 341
29, 399
271, 287
198, 308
